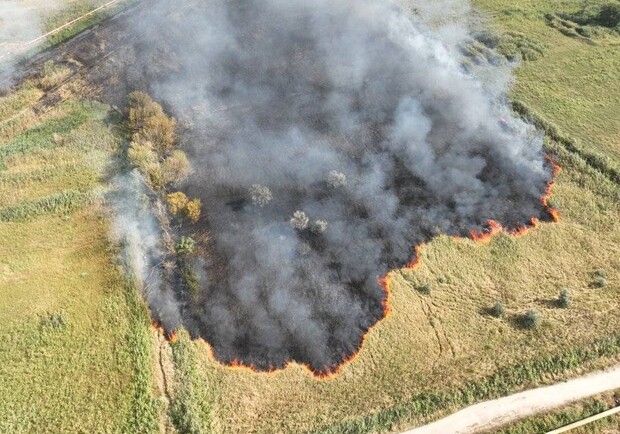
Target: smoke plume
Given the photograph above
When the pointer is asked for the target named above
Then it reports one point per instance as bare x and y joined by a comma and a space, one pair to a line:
20, 22
362, 135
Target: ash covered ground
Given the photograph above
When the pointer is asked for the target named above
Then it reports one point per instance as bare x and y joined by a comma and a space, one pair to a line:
327, 139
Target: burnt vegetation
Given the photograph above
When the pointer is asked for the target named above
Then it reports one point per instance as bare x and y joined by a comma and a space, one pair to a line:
311, 178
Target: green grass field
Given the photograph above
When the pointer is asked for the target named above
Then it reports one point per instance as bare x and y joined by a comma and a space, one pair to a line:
77, 353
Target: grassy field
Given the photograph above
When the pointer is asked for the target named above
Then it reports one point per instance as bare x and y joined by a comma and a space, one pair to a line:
75, 354
438, 352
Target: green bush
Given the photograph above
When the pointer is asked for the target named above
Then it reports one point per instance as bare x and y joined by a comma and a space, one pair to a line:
564, 299
425, 289
185, 246
531, 320
191, 278
600, 282
497, 310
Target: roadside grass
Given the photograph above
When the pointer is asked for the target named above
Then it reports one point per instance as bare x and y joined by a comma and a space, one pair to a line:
76, 8
570, 414
75, 354
439, 352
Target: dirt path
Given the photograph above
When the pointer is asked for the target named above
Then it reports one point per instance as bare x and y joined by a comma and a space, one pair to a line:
498, 412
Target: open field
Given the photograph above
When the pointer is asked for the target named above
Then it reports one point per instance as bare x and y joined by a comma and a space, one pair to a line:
75, 353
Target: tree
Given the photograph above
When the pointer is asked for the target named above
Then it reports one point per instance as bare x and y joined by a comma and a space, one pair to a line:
260, 195
176, 202
141, 108
141, 154
176, 168
425, 289
564, 299
336, 179
497, 310
531, 320
300, 220
319, 226
159, 130
193, 209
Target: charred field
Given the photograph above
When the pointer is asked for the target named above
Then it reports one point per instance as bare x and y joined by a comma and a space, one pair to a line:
326, 248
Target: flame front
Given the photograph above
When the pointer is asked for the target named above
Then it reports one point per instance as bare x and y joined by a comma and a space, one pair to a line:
493, 228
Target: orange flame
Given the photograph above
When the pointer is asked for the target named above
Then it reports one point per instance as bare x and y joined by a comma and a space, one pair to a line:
327, 373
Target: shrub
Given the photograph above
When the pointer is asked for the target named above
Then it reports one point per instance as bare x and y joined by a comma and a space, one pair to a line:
141, 155
531, 320
600, 273
564, 299
141, 108
609, 15
442, 279
336, 179
600, 282
497, 310
193, 210
54, 321
300, 220
176, 202
191, 278
176, 168
159, 130
260, 195
185, 246
319, 226
425, 289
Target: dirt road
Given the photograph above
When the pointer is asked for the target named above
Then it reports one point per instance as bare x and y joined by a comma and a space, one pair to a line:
498, 412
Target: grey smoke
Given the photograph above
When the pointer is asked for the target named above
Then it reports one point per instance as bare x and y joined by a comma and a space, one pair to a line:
139, 233
20, 21
286, 94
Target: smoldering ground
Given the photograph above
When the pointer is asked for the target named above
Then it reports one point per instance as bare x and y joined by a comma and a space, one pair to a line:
365, 134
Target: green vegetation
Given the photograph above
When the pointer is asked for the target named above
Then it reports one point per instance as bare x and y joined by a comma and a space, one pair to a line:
185, 246
75, 354
564, 299
425, 289
74, 9
531, 320
498, 310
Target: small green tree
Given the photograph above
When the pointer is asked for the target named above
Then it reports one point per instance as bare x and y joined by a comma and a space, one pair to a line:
564, 299
531, 320
600, 282
185, 246
425, 289
498, 310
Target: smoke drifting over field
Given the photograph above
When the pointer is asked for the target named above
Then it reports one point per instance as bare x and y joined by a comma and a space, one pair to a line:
20, 21
290, 95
